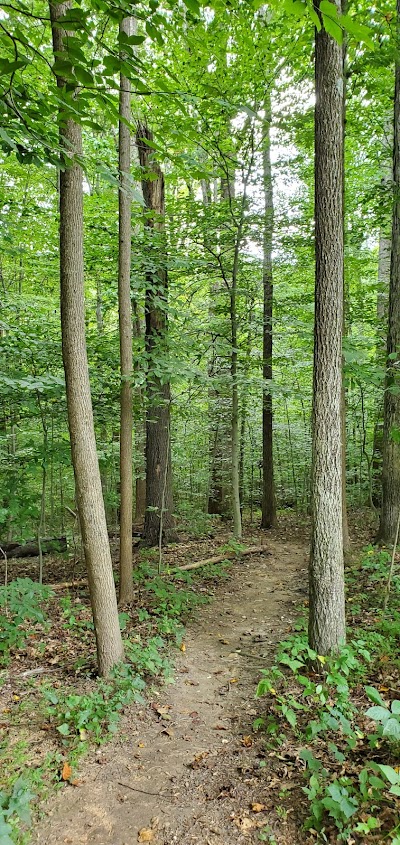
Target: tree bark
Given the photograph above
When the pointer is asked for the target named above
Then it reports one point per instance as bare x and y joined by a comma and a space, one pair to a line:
125, 334
327, 606
268, 518
345, 523
80, 413
391, 424
159, 519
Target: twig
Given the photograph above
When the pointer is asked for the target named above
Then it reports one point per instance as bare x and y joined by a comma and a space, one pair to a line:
136, 789
389, 581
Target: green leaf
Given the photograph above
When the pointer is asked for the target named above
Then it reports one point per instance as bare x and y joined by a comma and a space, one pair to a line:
392, 776
154, 33
378, 714
358, 30
83, 75
395, 707
193, 6
63, 729
392, 729
9, 141
374, 696
7, 67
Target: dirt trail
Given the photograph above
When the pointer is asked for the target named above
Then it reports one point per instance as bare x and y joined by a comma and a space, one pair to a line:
194, 766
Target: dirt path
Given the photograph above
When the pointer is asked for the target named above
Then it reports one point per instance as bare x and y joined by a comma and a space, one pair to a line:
190, 757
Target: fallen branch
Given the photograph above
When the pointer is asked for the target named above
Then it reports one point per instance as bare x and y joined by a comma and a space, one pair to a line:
31, 549
65, 584
228, 555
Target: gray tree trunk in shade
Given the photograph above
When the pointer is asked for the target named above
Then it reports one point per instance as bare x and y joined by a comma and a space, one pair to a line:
391, 416
219, 395
345, 523
89, 496
268, 517
327, 605
125, 332
159, 520
382, 303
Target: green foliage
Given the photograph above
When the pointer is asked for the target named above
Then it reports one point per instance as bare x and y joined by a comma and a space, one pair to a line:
313, 698
387, 718
96, 715
14, 810
21, 601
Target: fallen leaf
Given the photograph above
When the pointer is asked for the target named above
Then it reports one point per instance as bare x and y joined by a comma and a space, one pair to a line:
247, 741
146, 834
66, 771
141, 745
245, 824
257, 808
169, 732
233, 680
182, 647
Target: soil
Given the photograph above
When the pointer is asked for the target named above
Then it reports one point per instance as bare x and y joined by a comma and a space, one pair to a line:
188, 767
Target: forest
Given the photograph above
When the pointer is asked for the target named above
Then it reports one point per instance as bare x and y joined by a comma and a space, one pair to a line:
199, 421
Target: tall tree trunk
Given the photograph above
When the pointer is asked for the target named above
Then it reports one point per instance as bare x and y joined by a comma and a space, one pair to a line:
235, 424
345, 524
159, 520
268, 518
391, 425
219, 402
125, 333
140, 433
327, 606
80, 413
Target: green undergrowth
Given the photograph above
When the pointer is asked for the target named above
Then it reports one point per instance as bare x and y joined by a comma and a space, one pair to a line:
341, 720
75, 711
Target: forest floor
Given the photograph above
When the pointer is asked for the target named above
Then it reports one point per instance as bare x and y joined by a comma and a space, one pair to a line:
185, 768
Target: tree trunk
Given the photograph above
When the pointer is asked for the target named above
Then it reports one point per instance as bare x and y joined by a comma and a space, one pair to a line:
268, 518
391, 424
385, 245
125, 334
327, 606
343, 408
80, 413
159, 520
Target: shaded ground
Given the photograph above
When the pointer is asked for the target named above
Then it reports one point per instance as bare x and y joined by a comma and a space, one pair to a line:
187, 767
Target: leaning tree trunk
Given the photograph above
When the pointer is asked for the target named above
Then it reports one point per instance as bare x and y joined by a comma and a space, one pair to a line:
268, 518
327, 606
125, 334
159, 523
80, 414
391, 425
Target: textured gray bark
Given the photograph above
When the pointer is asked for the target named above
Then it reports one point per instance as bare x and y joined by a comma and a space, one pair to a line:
159, 519
391, 448
268, 518
125, 334
327, 607
89, 495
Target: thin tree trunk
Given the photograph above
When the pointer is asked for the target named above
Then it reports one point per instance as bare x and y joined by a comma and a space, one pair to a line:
327, 607
268, 518
159, 521
391, 445
235, 427
125, 334
140, 434
80, 413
